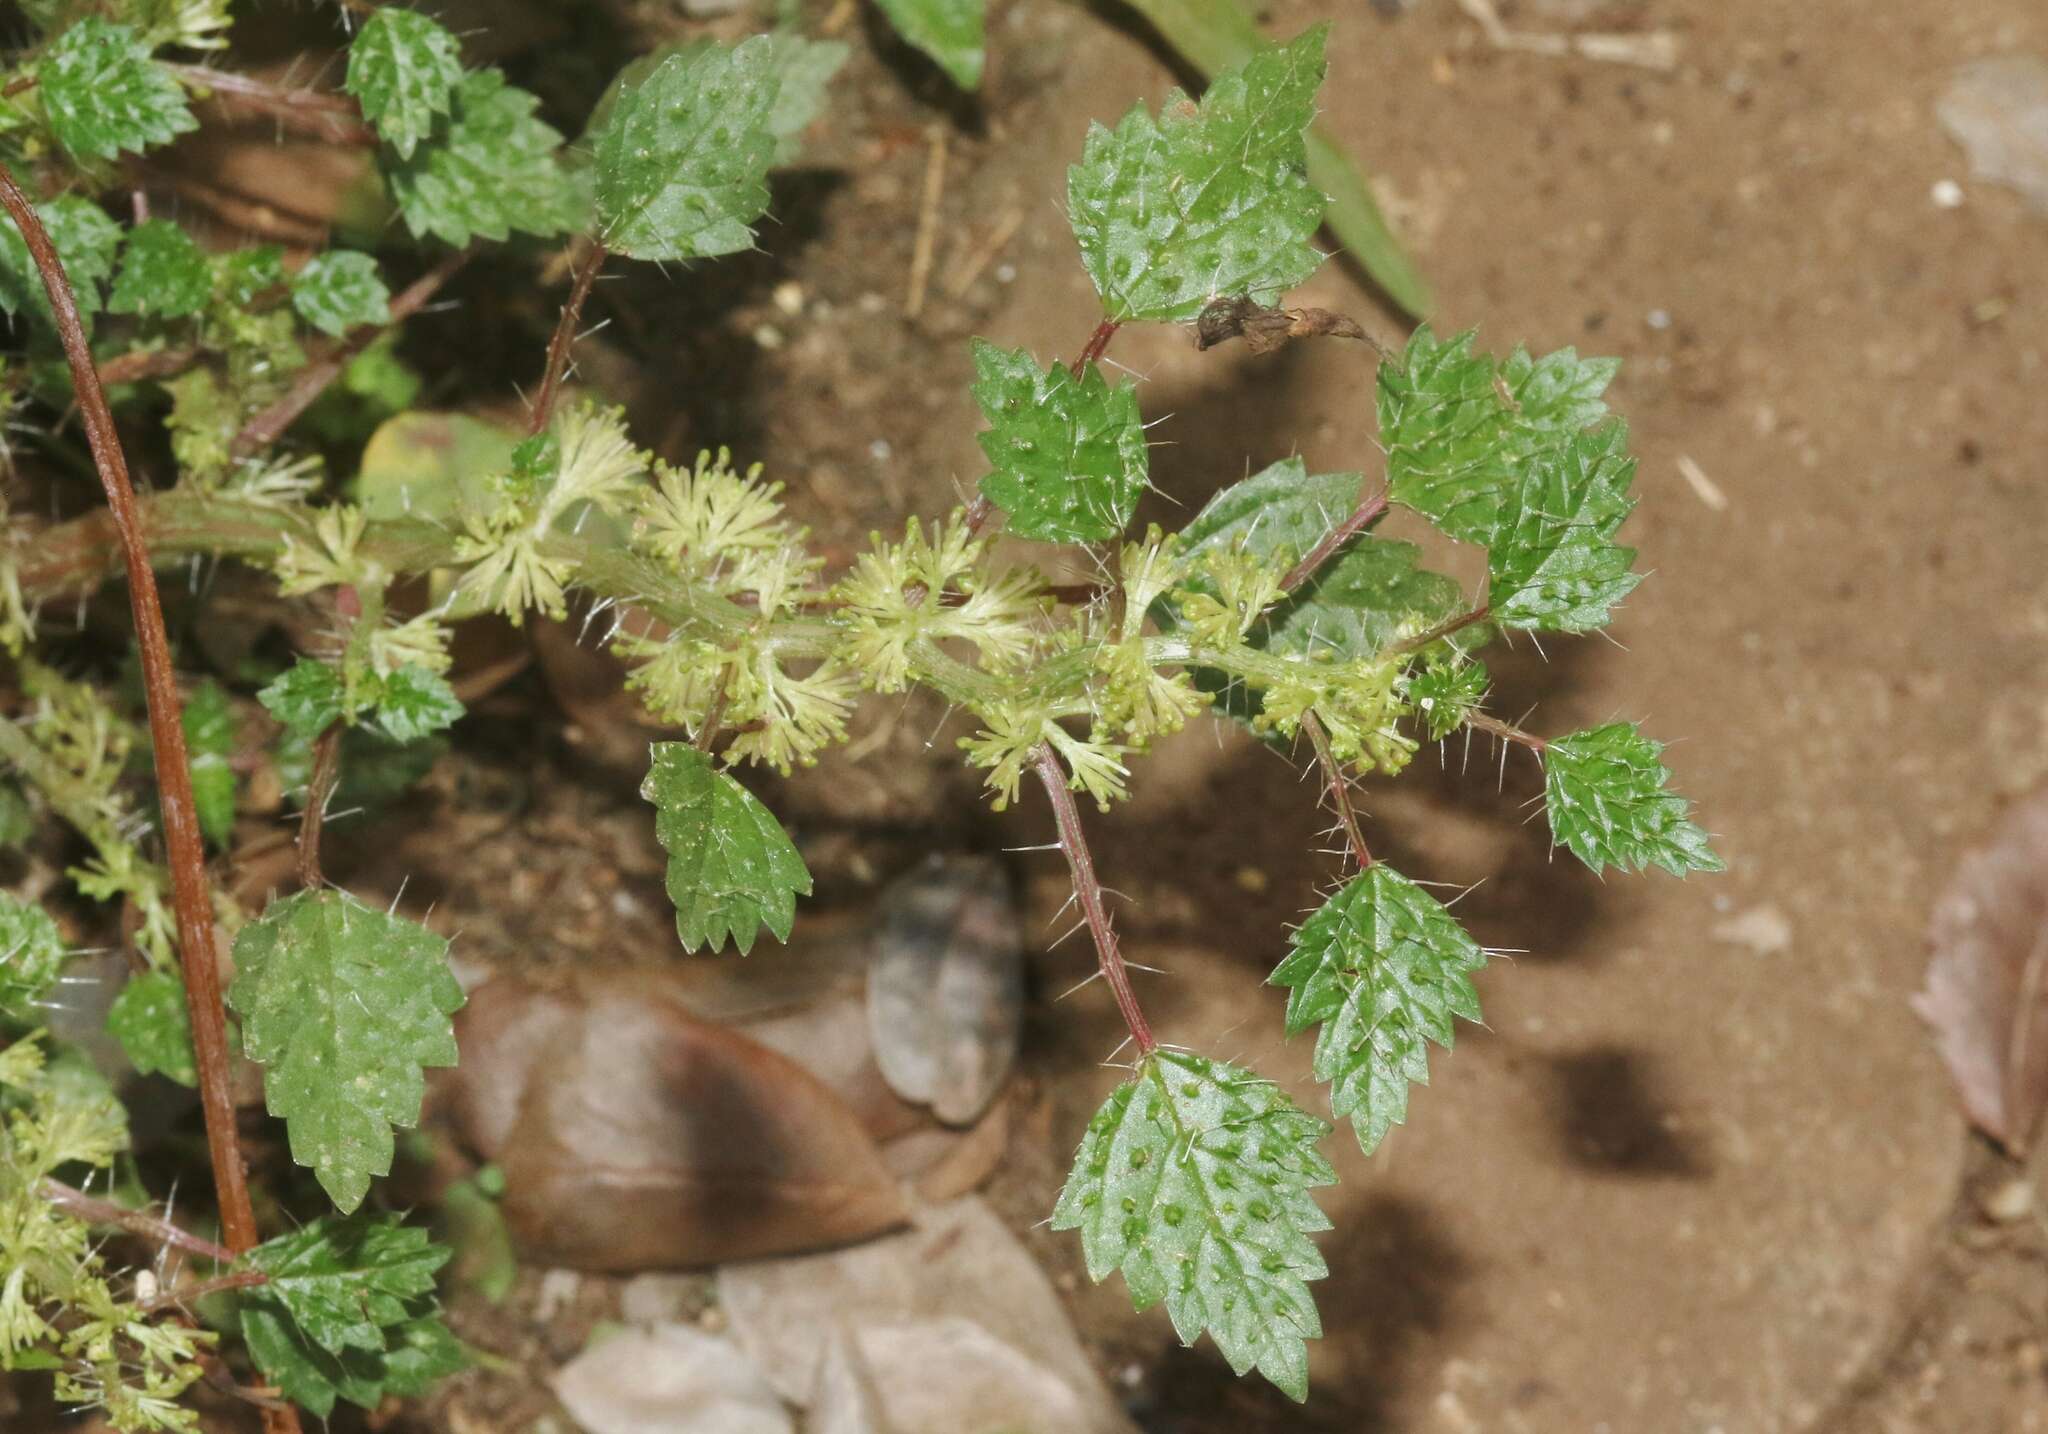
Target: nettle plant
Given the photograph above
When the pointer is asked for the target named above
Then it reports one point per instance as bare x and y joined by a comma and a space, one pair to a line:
1277, 605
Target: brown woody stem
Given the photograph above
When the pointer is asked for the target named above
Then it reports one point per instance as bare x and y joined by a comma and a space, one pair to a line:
191, 899
1088, 891
1340, 788
319, 113
1506, 731
95, 1211
564, 341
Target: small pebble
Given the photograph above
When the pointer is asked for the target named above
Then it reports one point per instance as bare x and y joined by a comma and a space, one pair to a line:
789, 297
880, 450
1946, 194
1659, 319
2013, 1200
768, 337
1251, 879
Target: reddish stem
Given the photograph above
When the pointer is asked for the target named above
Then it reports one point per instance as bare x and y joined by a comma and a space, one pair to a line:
1088, 891
319, 787
1442, 630
565, 339
316, 112
191, 899
1368, 512
1340, 789
95, 1211
268, 426
1097, 345
1506, 731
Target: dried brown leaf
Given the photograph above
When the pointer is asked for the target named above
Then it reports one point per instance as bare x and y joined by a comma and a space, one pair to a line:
1987, 984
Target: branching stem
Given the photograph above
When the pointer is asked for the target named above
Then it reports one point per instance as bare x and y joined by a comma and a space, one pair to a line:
1088, 891
95, 1211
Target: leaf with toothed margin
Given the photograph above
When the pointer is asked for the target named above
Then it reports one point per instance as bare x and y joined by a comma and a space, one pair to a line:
102, 94
489, 168
1458, 429
1069, 453
683, 154
731, 867
403, 69
1385, 969
348, 1313
1193, 1180
1207, 200
1605, 793
341, 290
86, 241
343, 1005
164, 273
1553, 561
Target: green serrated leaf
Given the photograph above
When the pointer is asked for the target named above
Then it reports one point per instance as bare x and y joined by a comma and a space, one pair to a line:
341, 290
1069, 454
308, 697
683, 157
731, 867
86, 241
1193, 1180
31, 957
343, 1005
416, 703
1553, 560
403, 69
102, 94
209, 724
949, 31
415, 1355
1385, 970
1205, 201
164, 273
1458, 429
491, 168
1604, 790
346, 1282
244, 274
150, 1020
